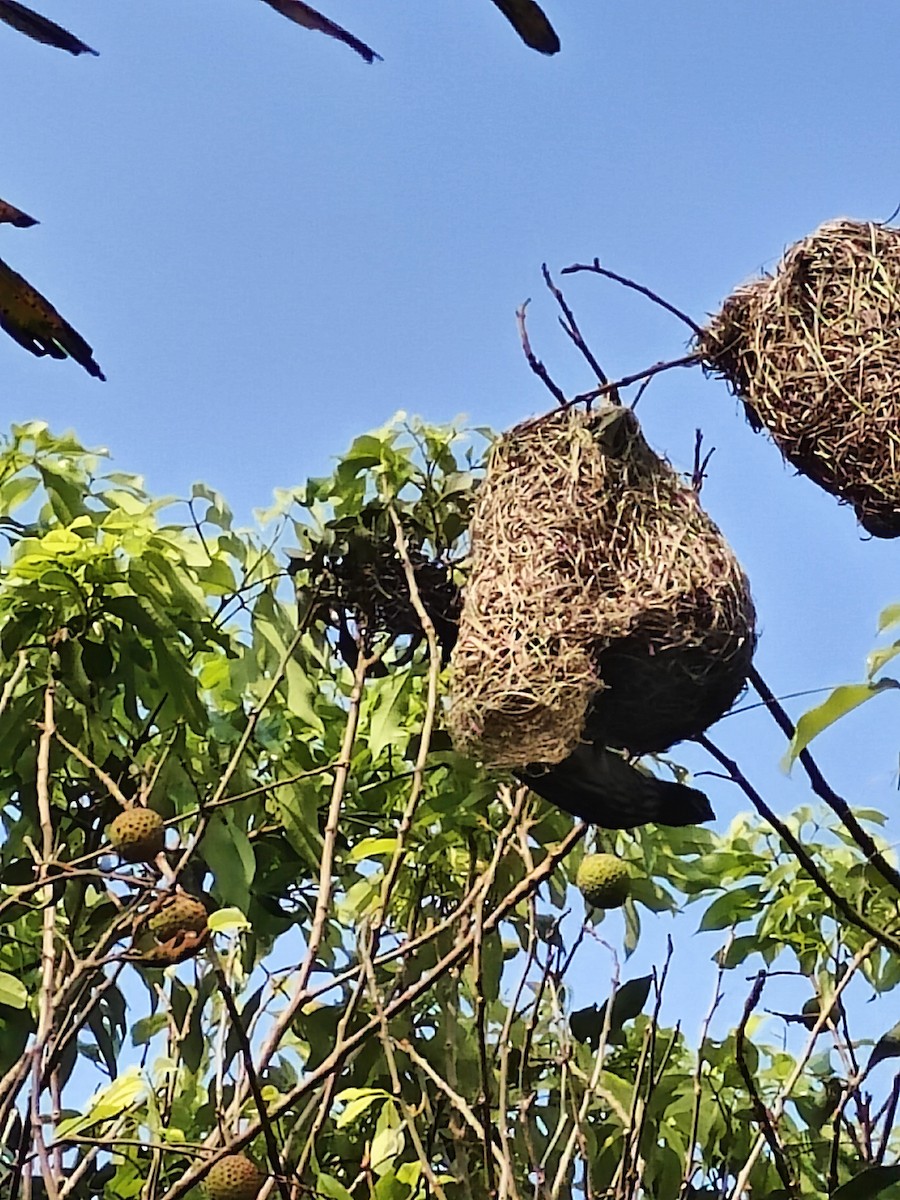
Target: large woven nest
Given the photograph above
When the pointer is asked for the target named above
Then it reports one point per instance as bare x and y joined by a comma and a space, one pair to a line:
602, 601
813, 351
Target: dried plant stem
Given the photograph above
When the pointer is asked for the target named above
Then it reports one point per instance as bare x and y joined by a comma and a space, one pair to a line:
434, 670
590, 1090
595, 268
237, 1026
326, 864
10, 686
456, 955
777, 1107
760, 1112
105, 778
805, 859
823, 789
718, 995
48, 941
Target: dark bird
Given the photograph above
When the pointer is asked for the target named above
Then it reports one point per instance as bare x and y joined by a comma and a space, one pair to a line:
32, 321
530, 22
302, 14
33, 25
600, 786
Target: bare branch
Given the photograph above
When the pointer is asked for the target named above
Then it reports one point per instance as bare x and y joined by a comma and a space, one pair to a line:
596, 269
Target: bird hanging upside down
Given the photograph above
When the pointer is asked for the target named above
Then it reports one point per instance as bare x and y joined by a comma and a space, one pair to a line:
601, 787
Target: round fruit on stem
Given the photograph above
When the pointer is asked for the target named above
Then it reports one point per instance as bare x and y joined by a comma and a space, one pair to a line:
182, 914
234, 1177
603, 880
138, 834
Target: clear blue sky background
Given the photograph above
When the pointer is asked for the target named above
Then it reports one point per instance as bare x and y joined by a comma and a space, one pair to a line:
272, 247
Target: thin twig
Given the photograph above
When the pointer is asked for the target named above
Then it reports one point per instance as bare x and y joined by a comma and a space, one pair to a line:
10, 686
535, 363
570, 326
718, 996
596, 269
823, 789
326, 864
804, 857
763, 1117
799, 1067
237, 1026
457, 954
613, 388
48, 940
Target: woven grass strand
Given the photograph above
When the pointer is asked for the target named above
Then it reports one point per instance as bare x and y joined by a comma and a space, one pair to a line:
813, 352
602, 601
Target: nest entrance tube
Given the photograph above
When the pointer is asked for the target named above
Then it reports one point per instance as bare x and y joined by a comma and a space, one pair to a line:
602, 601
813, 352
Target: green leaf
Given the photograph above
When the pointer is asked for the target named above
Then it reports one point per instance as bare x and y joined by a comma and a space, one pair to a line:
227, 920
357, 1100
587, 1023
13, 992
386, 724
229, 854
731, 908
147, 1027
301, 695
327, 1185
122, 1094
868, 1184
888, 617
841, 701
387, 1145
887, 1046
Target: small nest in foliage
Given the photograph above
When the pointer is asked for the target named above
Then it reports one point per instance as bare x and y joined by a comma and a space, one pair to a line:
602, 601
813, 351
360, 578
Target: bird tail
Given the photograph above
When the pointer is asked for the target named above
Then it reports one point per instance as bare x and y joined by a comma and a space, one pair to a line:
682, 805
601, 787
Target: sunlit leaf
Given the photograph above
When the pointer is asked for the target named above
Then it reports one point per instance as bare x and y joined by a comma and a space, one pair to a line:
841, 701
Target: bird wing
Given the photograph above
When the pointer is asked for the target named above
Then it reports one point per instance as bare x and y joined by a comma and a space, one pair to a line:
10, 215
302, 14
530, 22
33, 322
35, 26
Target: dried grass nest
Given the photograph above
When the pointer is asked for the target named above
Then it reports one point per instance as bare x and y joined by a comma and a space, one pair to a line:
602, 601
813, 351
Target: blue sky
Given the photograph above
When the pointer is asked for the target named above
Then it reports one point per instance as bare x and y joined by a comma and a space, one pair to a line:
273, 247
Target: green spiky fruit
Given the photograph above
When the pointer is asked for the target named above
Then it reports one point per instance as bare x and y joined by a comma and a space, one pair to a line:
138, 834
182, 914
234, 1177
603, 880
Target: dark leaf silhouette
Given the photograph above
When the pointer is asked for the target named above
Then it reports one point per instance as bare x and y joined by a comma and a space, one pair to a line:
302, 14
879, 1181
33, 322
887, 1046
530, 22
10, 215
39, 28
587, 1023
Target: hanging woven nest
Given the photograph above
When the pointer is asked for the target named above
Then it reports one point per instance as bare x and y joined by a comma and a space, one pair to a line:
813, 351
601, 602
